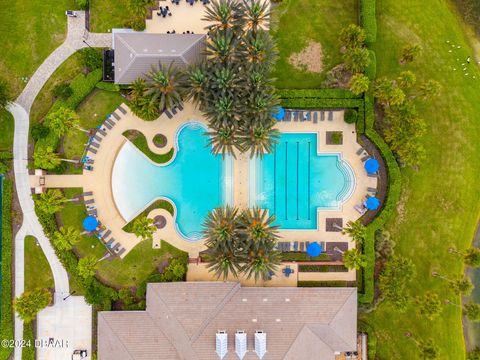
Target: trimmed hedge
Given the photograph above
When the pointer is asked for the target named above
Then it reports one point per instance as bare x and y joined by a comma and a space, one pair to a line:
6, 320
302, 256
322, 268
107, 86
368, 20
28, 352
323, 284
371, 338
317, 94
371, 70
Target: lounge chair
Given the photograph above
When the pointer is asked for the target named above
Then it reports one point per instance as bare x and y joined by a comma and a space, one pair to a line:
309, 116
107, 125
174, 111
121, 251
300, 116
288, 116
122, 110
365, 158
360, 209
295, 246
92, 150
106, 234
372, 189
90, 201
111, 122
374, 175
169, 115
295, 116
98, 138
360, 151
330, 116
180, 107
306, 245
288, 245
116, 247
88, 193
92, 212
322, 115
94, 144
110, 242
103, 133
302, 246
115, 116
315, 117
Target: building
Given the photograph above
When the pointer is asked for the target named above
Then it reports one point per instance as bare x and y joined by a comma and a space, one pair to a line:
135, 53
222, 320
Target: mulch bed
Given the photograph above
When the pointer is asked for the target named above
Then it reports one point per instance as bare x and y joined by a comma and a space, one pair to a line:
160, 141
336, 255
330, 224
329, 138
160, 221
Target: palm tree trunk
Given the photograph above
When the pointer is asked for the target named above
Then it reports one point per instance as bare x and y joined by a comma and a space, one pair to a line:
338, 250
82, 129
71, 161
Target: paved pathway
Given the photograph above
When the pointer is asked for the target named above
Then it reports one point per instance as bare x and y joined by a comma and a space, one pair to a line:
77, 38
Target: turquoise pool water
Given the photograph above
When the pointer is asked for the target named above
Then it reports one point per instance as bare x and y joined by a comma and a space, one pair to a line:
194, 181
293, 181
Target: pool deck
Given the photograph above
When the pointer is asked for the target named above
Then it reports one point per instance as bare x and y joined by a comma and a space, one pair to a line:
98, 181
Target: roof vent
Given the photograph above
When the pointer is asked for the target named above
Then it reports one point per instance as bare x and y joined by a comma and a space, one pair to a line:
287, 299
145, 50
244, 299
260, 343
240, 343
221, 343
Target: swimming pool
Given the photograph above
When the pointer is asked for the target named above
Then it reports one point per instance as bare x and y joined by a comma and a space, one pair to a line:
294, 181
194, 181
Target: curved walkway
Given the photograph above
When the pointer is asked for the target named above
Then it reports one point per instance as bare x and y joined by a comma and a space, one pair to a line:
20, 110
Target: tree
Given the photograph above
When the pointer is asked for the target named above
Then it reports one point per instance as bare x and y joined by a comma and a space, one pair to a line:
258, 226
393, 281
176, 270
87, 266
257, 14
30, 303
384, 245
259, 138
471, 257
406, 79
472, 311
427, 349
352, 36
359, 84
429, 305
66, 238
138, 8
5, 96
474, 354
224, 140
62, 121
460, 284
144, 228
409, 53
430, 89
164, 86
354, 259
51, 201
356, 59
46, 158
356, 230
198, 80
222, 15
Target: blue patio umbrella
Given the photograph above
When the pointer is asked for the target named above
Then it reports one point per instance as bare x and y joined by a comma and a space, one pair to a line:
372, 203
314, 249
279, 114
90, 223
371, 165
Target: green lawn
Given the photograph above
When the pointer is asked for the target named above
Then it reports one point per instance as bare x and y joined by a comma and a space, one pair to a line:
440, 203
6, 133
295, 23
44, 100
37, 270
92, 112
130, 271
29, 32
108, 14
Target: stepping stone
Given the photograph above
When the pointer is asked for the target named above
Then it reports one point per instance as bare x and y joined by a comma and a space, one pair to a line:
122, 110
116, 116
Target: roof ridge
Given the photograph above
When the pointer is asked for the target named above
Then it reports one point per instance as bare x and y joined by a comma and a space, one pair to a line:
215, 312
339, 311
113, 332
135, 54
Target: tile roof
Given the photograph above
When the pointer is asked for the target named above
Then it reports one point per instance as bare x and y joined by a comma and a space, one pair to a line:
182, 319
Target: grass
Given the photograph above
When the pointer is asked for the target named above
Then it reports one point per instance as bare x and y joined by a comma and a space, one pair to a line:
295, 23
44, 100
139, 140
29, 32
130, 271
440, 203
108, 14
92, 112
37, 270
7, 127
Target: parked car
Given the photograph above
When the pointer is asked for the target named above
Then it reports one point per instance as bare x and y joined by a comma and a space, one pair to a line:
71, 13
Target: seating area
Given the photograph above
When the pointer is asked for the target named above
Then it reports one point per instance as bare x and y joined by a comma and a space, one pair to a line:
308, 115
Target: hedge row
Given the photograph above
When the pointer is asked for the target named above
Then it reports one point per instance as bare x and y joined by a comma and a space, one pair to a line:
107, 86
368, 20
323, 284
322, 268
96, 293
371, 70
28, 352
317, 94
6, 320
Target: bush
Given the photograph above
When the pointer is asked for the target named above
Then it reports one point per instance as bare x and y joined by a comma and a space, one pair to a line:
30, 303
368, 19
322, 268
91, 58
39, 131
351, 116
371, 70
6, 320
138, 24
82, 4
337, 138
107, 86
28, 352
323, 284
62, 91
317, 94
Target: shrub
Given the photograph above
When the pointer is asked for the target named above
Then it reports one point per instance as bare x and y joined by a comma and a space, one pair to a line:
28, 351
82, 4
91, 58
5, 94
337, 138
371, 69
368, 20
351, 116
39, 131
6, 320
30, 303
62, 91
107, 86
138, 24
322, 284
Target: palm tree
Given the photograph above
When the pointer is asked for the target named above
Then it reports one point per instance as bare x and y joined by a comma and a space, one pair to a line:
356, 230
144, 228
428, 349
259, 48
5, 94
224, 140
261, 262
66, 238
472, 311
51, 201
164, 86
357, 59
222, 261
225, 80
258, 226
359, 84
62, 121
259, 139
261, 105
198, 83
221, 47
223, 15
460, 284
256, 14
137, 89
471, 257
222, 111
87, 266
429, 305
352, 36
354, 259
46, 158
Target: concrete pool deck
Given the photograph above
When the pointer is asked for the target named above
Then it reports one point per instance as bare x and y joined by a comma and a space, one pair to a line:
99, 181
